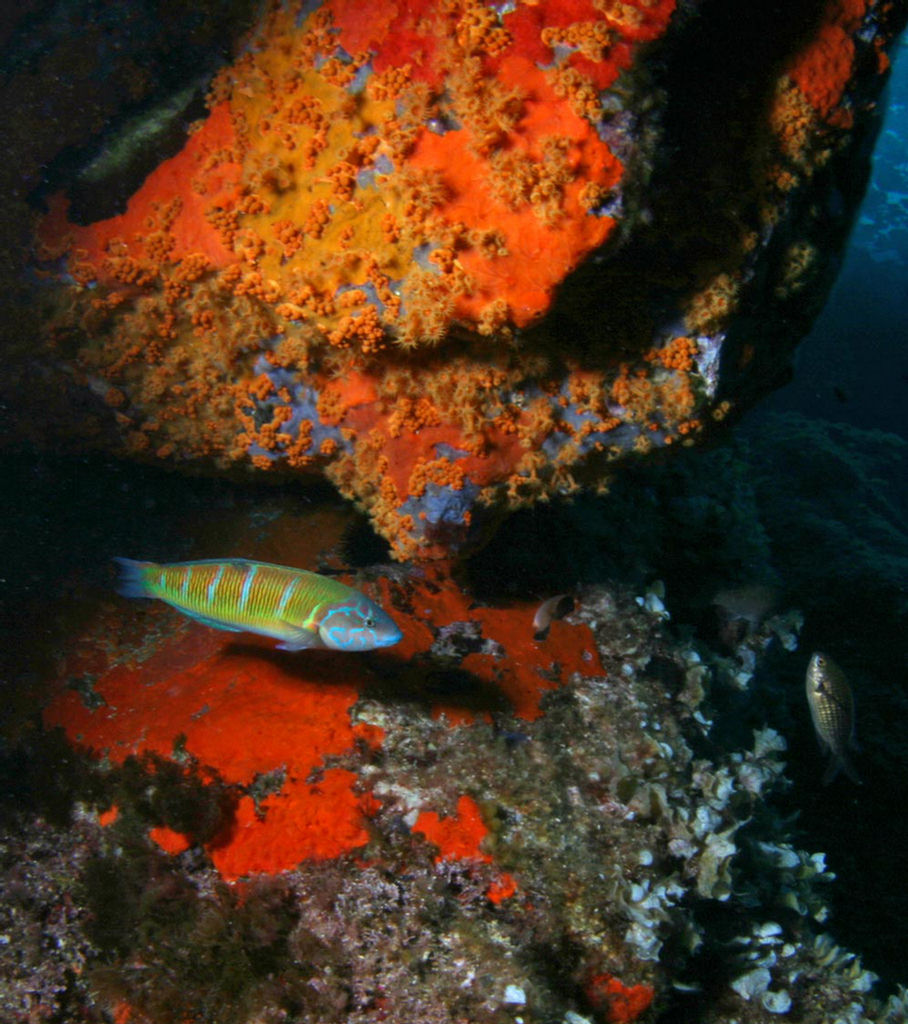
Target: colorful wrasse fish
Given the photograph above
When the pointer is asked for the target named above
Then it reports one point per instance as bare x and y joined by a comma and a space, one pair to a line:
832, 710
299, 608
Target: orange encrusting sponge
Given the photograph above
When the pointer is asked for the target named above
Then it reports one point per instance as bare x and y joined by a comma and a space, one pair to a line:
619, 1003
537, 252
242, 714
164, 222
247, 713
459, 837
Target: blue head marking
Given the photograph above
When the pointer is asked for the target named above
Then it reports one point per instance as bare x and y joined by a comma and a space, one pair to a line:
358, 625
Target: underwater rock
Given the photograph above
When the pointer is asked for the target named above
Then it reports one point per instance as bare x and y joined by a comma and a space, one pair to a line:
44, 947
461, 259
472, 825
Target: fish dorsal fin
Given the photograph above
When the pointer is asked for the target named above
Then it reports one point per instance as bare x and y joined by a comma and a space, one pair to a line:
244, 563
238, 562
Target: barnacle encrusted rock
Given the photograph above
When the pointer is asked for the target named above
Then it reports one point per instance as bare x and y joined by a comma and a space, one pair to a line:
460, 257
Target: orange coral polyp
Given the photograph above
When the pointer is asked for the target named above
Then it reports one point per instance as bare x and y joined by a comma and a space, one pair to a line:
538, 255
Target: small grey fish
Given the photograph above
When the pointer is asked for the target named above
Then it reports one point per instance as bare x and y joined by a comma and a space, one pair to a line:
832, 710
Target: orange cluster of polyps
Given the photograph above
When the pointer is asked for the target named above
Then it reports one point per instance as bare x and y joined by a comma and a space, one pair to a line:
824, 67
647, 396
244, 712
365, 184
812, 112
812, 101
274, 169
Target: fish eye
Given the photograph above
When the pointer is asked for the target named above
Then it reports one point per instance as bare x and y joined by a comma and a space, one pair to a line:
369, 621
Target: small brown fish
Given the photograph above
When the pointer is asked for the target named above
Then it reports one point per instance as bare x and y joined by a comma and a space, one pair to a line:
554, 608
832, 710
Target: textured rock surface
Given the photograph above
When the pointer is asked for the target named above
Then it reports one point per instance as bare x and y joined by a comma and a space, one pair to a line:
480, 827
459, 260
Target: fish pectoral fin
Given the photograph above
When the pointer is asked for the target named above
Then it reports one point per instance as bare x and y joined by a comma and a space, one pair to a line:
299, 639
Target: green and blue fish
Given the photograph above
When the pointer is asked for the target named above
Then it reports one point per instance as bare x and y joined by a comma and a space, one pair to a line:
299, 608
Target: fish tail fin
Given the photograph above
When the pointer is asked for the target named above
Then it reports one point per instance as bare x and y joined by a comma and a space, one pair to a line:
832, 770
837, 763
848, 769
132, 580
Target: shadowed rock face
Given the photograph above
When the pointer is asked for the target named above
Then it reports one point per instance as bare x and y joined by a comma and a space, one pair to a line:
454, 286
